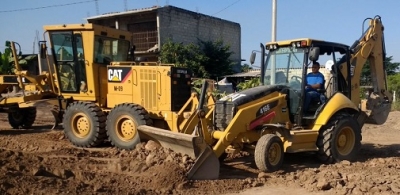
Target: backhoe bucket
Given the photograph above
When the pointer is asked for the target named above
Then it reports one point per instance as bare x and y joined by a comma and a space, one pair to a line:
206, 164
378, 110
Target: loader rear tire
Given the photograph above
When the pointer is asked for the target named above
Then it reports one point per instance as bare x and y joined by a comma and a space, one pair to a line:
122, 123
84, 124
22, 117
268, 154
339, 140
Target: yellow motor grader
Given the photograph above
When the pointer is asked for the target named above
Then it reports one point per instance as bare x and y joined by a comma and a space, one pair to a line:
103, 96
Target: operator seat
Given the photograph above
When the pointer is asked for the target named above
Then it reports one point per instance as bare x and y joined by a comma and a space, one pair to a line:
316, 103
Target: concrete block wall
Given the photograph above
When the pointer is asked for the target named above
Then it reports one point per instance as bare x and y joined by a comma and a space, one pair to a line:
185, 26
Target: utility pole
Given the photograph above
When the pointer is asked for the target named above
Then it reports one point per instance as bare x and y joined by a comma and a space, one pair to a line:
273, 39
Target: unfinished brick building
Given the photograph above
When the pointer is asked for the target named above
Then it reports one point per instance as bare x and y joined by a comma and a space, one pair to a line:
154, 26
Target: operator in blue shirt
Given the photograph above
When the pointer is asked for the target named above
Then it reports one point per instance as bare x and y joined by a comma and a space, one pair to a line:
315, 80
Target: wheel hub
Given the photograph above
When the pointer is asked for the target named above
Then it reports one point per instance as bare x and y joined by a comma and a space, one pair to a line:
342, 140
81, 125
345, 141
126, 128
274, 154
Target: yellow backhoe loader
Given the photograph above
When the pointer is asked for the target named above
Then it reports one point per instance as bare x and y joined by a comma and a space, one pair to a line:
270, 119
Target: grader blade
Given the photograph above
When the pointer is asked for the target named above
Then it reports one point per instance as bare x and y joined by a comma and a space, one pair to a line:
206, 164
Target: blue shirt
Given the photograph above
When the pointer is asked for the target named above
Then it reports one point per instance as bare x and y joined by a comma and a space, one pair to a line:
313, 79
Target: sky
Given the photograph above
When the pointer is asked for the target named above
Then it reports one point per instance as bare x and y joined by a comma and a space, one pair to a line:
338, 21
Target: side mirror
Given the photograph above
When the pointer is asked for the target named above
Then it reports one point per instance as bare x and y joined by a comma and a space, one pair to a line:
43, 50
252, 58
314, 54
131, 52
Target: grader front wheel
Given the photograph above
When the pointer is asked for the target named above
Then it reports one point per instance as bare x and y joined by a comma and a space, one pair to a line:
268, 154
22, 117
122, 123
84, 124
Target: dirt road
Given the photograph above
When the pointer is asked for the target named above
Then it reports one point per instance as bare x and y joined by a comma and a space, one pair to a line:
41, 161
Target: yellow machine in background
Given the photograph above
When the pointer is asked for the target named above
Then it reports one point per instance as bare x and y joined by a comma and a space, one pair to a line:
21, 91
102, 95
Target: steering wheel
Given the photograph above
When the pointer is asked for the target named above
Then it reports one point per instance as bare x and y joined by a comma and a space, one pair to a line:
295, 77
295, 82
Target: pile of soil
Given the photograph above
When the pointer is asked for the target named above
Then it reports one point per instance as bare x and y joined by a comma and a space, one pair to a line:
42, 161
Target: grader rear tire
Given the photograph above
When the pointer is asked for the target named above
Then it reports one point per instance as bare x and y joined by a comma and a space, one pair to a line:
22, 117
84, 124
122, 123
269, 153
339, 140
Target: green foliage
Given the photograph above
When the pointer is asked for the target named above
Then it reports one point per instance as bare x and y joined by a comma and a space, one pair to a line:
254, 82
206, 59
5, 58
181, 55
197, 85
396, 105
394, 86
391, 69
394, 83
246, 68
215, 59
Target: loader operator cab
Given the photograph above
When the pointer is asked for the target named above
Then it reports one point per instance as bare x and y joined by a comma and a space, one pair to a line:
288, 63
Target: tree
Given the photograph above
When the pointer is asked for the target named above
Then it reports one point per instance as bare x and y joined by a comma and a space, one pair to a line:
394, 83
391, 69
215, 59
206, 59
246, 68
5, 66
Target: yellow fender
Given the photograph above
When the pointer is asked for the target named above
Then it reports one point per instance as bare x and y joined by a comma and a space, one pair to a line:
337, 102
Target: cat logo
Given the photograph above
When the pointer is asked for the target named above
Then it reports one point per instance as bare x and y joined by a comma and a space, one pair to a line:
119, 74
114, 74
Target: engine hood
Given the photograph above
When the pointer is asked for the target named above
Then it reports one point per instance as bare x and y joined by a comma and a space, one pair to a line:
248, 95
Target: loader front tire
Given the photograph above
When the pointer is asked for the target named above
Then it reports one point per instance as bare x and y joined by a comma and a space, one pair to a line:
122, 123
22, 117
339, 140
268, 154
84, 124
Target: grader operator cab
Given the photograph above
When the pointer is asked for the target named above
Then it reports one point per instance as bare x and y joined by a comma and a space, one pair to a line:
103, 96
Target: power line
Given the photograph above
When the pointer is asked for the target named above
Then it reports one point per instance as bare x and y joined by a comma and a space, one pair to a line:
226, 7
49, 6
97, 6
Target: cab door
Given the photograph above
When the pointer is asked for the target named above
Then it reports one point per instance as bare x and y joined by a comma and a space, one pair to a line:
70, 60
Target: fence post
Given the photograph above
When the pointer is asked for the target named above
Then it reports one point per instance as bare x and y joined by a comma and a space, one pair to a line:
394, 96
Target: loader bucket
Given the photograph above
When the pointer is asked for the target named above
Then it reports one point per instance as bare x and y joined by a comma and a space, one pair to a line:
206, 164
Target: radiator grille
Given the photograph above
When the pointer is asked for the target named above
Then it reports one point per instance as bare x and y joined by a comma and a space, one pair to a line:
148, 86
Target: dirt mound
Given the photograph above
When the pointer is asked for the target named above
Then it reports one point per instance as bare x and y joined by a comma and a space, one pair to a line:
83, 171
40, 161
373, 176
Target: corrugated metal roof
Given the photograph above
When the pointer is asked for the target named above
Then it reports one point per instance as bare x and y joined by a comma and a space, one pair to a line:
112, 14
251, 73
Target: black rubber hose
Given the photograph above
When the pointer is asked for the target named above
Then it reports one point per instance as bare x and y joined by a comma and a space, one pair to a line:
203, 94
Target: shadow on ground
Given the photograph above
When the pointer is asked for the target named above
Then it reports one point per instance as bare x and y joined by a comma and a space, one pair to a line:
244, 167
